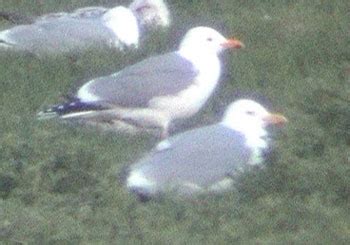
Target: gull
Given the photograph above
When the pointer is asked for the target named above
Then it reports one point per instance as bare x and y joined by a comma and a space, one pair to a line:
147, 12
207, 159
152, 93
62, 32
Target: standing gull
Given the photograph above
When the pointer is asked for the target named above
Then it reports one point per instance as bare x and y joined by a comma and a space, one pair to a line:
207, 159
155, 91
116, 27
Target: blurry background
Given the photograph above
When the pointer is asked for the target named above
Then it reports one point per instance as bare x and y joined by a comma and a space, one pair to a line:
59, 183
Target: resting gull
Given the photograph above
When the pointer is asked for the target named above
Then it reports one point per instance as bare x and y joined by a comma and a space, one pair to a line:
116, 27
152, 93
207, 159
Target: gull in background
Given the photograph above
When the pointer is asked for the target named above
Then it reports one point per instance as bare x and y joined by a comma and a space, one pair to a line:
62, 32
152, 93
207, 159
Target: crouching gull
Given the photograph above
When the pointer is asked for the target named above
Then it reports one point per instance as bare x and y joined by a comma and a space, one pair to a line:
155, 91
117, 27
207, 159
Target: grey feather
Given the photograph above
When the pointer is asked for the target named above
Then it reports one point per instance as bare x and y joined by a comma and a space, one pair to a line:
62, 34
201, 157
89, 12
80, 13
136, 85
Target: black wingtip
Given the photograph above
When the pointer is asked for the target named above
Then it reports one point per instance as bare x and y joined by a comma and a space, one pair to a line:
72, 106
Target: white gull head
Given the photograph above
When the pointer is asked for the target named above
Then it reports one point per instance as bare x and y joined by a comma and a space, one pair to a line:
250, 118
151, 13
202, 41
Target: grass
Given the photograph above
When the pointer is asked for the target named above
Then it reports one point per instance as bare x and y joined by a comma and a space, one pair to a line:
59, 183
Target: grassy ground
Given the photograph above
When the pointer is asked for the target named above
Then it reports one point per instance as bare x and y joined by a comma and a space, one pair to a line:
59, 183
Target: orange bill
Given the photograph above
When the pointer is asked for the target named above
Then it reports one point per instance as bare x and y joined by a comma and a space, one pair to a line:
233, 43
277, 119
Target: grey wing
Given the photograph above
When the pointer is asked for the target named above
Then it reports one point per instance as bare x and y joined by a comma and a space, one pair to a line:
136, 85
63, 34
202, 157
51, 16
89, 12
80, 13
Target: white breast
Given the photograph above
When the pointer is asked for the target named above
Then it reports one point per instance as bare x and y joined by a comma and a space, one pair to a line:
124, 25
189, 101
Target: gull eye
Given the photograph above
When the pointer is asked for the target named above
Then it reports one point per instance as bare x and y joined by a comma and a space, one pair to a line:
251, 113
209, 39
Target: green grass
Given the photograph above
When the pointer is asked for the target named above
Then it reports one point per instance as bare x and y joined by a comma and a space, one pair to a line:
59, 183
